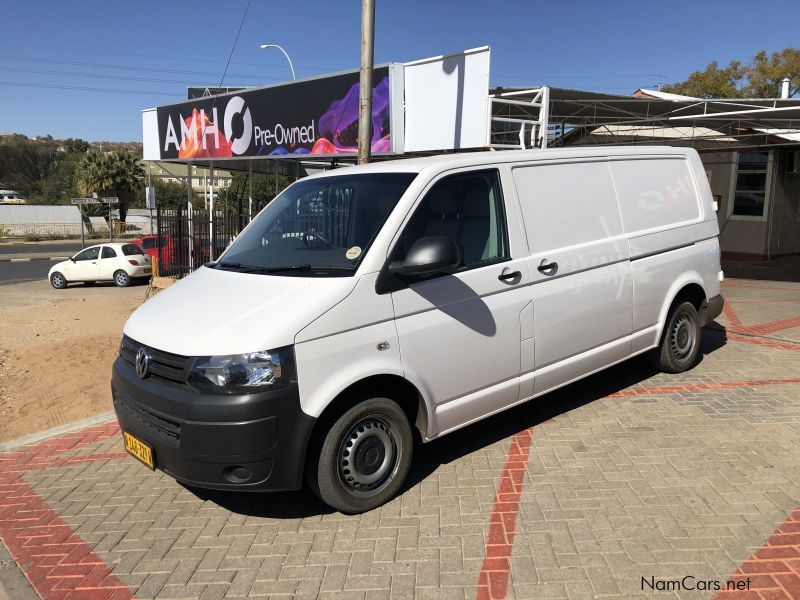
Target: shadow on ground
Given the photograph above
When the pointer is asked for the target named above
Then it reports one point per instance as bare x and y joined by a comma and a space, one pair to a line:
429, 457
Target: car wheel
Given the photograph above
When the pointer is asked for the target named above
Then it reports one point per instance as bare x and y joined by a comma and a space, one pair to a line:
362, 459
89, 283
58, 281
680, 342
121, 278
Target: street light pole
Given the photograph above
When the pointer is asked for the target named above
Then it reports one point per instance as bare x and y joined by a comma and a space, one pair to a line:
291, 66
365, 81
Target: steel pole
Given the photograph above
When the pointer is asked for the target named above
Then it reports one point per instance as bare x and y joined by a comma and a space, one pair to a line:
83, 243
365, 81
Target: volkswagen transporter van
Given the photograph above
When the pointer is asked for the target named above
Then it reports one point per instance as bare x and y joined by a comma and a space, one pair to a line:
370, 308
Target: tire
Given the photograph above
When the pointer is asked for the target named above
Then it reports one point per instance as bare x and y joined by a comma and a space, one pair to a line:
89, 283
121, 278
58, 281
680, 342
362, 459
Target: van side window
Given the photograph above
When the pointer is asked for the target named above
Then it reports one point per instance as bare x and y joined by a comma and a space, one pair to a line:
467, 208
567, 204
108, 252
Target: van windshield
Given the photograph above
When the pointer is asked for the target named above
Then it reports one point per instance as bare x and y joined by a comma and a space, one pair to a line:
320, 226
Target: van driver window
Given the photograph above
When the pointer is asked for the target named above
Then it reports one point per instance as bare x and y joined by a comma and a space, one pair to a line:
88, 254
468, 209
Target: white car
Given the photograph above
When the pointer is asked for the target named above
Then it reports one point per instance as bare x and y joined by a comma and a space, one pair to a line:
119, 263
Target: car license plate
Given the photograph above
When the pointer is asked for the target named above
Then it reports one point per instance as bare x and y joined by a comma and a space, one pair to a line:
147, 270
139, 449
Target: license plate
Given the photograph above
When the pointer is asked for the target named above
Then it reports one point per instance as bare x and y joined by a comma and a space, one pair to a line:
147, 270
139, 449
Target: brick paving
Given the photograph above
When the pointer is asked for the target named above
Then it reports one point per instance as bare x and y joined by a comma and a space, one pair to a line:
625, 478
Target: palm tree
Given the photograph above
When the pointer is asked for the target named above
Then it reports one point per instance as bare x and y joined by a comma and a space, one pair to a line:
110, 174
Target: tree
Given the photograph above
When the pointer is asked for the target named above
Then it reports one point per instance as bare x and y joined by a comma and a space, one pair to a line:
169, 194
111, 174
760, 78
712, 82
765, 75
76, 145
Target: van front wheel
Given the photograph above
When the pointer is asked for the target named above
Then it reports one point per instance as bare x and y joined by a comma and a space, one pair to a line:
364, 457
680, 342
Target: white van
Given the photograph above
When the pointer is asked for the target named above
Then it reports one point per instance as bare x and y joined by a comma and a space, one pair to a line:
372, 307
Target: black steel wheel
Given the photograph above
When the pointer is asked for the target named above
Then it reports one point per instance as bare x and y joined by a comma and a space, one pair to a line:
680, 342
363, 458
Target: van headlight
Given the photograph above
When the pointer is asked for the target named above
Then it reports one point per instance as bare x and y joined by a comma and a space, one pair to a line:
244, 373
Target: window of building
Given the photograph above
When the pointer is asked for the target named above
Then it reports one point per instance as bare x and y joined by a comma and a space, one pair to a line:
750, 192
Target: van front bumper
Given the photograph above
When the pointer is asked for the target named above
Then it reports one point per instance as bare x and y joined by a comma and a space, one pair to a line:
253, 442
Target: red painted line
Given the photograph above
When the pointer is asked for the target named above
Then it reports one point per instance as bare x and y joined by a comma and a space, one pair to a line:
57, 562
731, 315
773, 569
696, 387
776, 326
493, 578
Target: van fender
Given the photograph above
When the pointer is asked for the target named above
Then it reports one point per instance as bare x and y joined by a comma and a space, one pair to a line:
685, 278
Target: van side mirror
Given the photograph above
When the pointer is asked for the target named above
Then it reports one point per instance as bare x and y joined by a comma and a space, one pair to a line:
428, 255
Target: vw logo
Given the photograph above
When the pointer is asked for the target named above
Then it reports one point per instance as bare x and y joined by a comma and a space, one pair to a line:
142, 362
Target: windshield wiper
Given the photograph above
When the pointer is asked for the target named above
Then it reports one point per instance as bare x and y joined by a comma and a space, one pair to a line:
243, 267
260, 269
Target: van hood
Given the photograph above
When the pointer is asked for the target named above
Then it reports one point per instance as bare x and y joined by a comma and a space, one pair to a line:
222, 312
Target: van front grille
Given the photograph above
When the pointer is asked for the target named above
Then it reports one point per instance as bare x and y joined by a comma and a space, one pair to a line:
163, 365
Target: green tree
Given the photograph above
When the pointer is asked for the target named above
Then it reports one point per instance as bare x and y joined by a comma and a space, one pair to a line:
169, 194
712, 82
111, 174
765, 74
760, 78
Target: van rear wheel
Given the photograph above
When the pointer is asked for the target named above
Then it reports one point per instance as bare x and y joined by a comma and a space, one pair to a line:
363, 457
680, 342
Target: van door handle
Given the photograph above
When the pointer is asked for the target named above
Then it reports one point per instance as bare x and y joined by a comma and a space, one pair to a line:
509, 276
548, 268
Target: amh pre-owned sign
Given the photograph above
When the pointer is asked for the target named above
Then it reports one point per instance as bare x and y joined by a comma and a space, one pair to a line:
317, 116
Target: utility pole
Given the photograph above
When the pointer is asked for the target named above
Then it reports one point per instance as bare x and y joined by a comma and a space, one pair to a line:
365, 81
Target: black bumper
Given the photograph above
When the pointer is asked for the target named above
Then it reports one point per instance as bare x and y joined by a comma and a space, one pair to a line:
254, 442
712, 310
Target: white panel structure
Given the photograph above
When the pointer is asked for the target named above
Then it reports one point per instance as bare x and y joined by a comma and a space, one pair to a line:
446, 101
150, 135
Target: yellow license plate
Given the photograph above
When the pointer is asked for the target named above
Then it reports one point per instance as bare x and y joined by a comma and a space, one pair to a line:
139, 449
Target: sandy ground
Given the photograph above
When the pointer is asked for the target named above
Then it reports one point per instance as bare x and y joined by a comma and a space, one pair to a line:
56, 351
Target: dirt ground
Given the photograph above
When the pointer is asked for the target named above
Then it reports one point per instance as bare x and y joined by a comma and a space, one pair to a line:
56, 351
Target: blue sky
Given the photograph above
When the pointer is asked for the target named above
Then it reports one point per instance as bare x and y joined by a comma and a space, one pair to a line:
50, 48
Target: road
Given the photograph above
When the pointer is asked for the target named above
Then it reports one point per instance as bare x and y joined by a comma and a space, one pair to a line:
66, 248
17, 272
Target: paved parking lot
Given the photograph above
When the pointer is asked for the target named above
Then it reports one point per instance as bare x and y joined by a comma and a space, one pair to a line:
629, 483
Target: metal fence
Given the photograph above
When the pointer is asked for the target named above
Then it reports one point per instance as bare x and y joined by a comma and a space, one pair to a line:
187, 239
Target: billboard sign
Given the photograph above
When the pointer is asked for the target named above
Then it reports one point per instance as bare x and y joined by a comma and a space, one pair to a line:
308, 117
